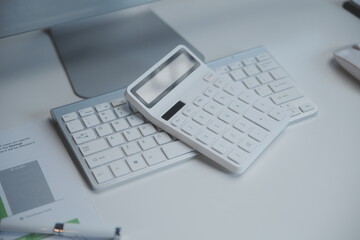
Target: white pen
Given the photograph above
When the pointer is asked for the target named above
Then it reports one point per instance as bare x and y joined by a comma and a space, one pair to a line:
63, 229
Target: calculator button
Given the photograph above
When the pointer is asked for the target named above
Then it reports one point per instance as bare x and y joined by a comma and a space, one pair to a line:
102, 174
249, 61
102, 107
213, 108
190, 128
86, 111
69, 116
103, 130
251, 82
286, 96
251, 70
237, 106
260, 119
221, 146
293, 112
258, 134
222, 98
74, 126
235, 65
217, 126
136, 162
263, 105
91, 121
248, 97
232, 135
201, 117
242, 125
220, 83
248, 145
200, 101
278, 73
237, 155
227, 116
154, 156
209, 77
120, 124
222, 69
206, 137
281, 85
175, 149
178, 120
238, 75
190, 110
264, 78
210, 91
306, 107
277, 114
263, 91
107, 116
119, 168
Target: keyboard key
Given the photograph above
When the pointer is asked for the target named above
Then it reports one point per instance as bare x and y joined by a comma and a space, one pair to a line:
147, 129
131, 134
162, 138
102, 174
220, 83
91, 121
102, 107
248, 145
147, 143
262, 57
235, 65
131, 148
206, 137
107, 116
249, 61
116, 139
258, 134
264, 78
251, 82
103, 130
154, 156
217, 126
267, 65
120, 124
84, 136
237, 155
294, 112
69, 116
118, 101
122, 111
221, 146
278, 73
175, 149
260, 119
74, 126
251, 70
281, 85
237, 75
136, 162
86, 111
286, 96
136, 119
119, 168
306, 107
92, 147
104, 157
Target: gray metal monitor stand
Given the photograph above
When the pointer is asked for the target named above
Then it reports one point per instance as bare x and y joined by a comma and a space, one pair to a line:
106, 53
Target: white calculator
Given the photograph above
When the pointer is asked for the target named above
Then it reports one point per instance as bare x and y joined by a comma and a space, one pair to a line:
219, 118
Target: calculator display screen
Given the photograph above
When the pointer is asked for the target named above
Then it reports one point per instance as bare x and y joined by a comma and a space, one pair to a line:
163, 79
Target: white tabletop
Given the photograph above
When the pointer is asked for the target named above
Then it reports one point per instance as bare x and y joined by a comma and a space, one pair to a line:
305, 186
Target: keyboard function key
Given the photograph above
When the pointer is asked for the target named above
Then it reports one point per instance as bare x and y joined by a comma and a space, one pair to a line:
118, 101
102, 174
69, 116
102, 107
220, 83
74, 126
86, 111
91, 121
122, 111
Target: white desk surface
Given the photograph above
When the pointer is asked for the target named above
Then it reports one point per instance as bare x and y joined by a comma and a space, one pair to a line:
305, 186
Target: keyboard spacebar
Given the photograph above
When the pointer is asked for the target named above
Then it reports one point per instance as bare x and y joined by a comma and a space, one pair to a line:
175, 149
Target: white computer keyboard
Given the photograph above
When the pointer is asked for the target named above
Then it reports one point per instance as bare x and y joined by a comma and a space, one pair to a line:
112, 144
